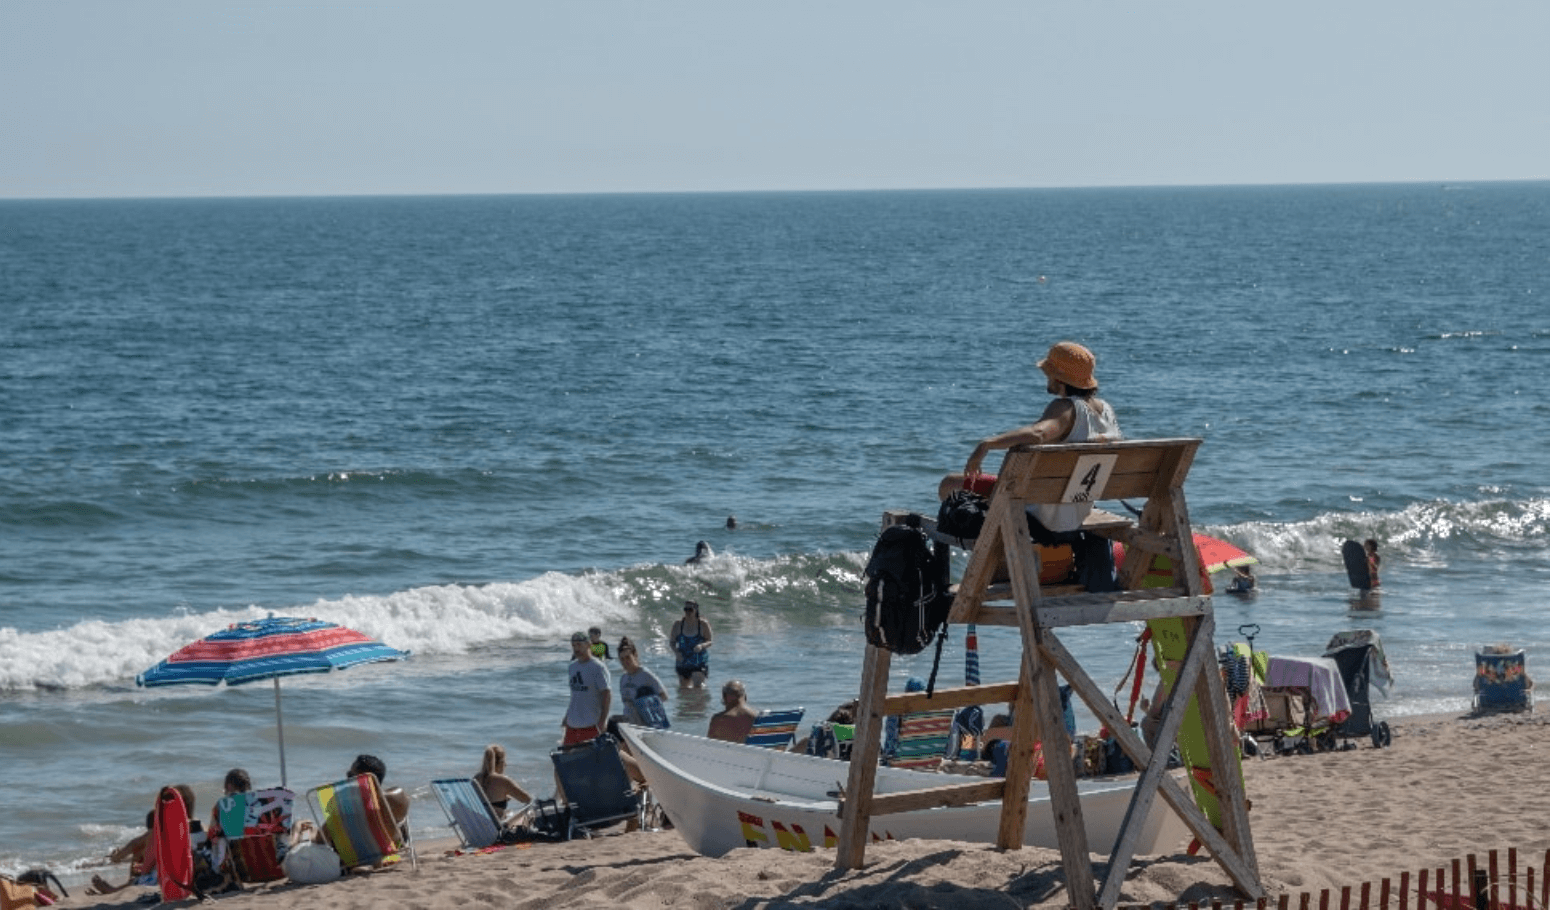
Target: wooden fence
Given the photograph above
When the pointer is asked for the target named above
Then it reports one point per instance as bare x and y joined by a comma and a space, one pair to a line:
1456, 887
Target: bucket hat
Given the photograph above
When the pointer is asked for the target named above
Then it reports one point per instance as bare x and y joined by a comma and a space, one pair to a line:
1071, 364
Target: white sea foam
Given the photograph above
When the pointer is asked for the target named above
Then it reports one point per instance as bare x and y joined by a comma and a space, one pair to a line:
437, 620
1414, 534
440, 619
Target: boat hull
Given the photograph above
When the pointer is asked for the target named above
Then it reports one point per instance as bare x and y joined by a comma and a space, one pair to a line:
723, 796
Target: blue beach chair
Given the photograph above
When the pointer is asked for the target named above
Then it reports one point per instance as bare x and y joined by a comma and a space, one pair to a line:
1501, 684
775, 728
469, 813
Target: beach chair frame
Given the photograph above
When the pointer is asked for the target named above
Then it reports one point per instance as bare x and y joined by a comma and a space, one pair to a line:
469, 812
775, 728
354, 817
258, 853
1501, 683
598, 790
923, 740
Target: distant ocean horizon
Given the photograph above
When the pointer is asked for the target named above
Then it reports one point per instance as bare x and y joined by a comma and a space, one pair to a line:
469, 425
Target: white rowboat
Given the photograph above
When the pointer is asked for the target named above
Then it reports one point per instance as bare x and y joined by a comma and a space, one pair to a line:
723, 796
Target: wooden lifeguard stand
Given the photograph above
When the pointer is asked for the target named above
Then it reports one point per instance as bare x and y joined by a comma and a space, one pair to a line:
1150, 470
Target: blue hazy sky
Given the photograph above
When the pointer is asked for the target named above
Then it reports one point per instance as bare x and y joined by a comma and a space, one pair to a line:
212, 97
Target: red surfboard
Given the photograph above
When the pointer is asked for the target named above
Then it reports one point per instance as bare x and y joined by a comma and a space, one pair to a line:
174, 852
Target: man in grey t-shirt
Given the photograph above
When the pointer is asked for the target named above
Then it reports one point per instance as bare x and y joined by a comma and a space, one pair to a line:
588, 712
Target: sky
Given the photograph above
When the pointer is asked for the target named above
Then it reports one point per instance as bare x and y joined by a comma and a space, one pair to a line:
175, 98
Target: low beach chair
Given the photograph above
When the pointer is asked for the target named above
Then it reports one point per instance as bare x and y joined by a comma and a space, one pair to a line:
469, 813
355, 819
775, 728
924, 740
255, 829
598, 791
1501, 684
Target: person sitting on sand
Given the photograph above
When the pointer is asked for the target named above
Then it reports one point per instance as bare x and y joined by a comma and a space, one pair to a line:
499, 788
737, 716
140, 852
398, 800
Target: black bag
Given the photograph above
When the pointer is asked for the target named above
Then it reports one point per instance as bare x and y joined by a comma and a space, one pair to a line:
962, 515
907, 591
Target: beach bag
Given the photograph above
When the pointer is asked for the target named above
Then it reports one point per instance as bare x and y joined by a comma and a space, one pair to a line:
907, 592
962, 515
312, 864
30, 890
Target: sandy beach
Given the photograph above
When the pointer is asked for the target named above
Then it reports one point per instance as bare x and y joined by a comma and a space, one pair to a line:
1446, 788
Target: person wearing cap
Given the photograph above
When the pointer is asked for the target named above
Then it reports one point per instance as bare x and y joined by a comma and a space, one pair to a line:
690, 638
1076, 414
588, 712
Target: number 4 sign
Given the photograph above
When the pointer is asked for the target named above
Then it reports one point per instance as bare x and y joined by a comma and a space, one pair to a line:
1089, 478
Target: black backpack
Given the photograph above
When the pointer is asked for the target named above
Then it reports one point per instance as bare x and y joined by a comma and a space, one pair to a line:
907, 591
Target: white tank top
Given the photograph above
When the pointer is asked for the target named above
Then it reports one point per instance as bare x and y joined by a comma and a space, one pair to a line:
1087, 425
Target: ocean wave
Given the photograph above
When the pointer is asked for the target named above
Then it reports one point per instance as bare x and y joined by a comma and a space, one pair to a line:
1422, 531
450, 621
447, 621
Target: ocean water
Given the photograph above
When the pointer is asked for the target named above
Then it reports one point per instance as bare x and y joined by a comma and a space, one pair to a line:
470, 426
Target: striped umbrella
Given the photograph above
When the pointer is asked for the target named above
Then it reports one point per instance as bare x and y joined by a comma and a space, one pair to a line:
972, 658
268, 648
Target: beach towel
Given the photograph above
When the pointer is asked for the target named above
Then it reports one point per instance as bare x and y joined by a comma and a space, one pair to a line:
1320, 676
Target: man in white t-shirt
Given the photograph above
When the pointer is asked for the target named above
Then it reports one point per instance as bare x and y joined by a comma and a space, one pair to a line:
588, 712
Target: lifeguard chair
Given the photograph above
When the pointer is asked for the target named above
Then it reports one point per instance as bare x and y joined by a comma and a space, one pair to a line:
1151, 470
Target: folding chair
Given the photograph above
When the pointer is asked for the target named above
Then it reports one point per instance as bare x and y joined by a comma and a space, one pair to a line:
255, 830
354, 817
468, 812
598, 791
924, 739
775, 728
1501, 684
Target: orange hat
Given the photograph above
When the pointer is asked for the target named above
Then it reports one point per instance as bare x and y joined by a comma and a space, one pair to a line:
1071, 364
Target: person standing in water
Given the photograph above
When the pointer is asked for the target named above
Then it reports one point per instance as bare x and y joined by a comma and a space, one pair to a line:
1371, 553
690, 638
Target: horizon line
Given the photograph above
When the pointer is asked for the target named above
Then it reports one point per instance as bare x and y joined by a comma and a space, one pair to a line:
759, 191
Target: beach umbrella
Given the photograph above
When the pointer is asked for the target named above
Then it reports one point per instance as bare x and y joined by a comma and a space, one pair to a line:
972, 657
1216, 554
269, 648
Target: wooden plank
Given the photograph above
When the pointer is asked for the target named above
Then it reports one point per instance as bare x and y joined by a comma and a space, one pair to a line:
1015, 806
1062, 783
867, 742
889, 803
1082, 609
1093, 609
948, 698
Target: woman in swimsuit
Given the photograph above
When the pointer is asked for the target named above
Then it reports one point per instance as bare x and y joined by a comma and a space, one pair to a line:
691, 637
497, 786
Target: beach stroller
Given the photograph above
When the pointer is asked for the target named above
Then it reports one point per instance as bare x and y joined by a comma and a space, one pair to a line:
1361, 659
1305, 699
1501, 684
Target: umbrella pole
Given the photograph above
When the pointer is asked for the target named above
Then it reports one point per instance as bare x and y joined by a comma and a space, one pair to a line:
280, 733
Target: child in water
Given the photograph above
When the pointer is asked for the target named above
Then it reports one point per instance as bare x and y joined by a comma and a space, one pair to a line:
1371, 551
